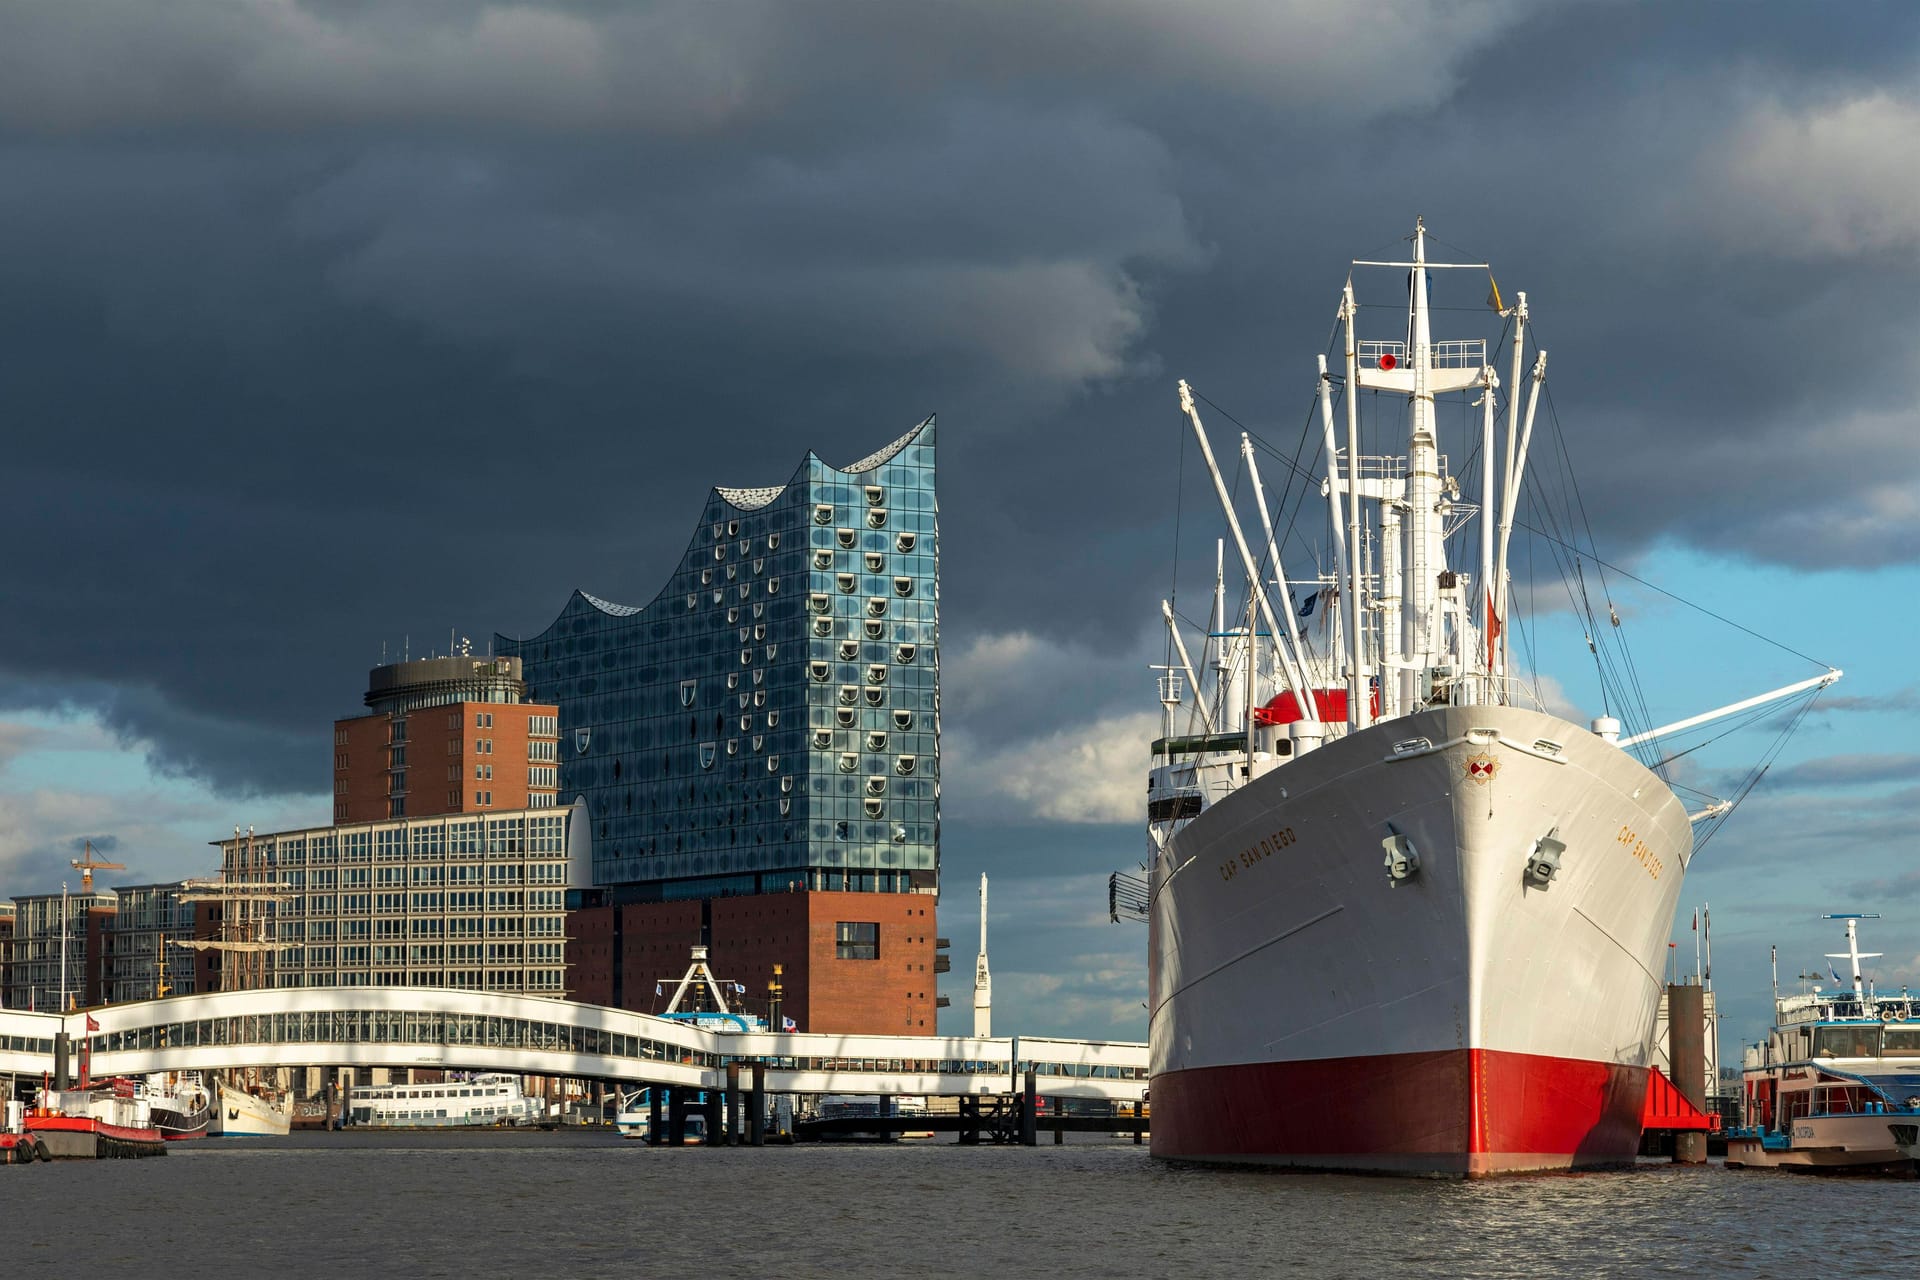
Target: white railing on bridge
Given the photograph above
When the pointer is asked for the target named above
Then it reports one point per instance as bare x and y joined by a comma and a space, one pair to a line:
414, 1027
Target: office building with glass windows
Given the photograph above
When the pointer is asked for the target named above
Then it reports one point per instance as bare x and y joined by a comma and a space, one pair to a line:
758, 749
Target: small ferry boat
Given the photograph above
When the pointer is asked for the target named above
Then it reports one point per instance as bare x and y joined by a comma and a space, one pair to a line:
1835, 1081
484, 1101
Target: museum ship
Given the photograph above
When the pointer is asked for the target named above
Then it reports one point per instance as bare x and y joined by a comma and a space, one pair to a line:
1402, 917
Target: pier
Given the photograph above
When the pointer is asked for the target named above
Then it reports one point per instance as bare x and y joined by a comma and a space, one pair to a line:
996, 1078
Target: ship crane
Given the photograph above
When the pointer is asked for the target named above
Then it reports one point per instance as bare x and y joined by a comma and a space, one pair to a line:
87, 864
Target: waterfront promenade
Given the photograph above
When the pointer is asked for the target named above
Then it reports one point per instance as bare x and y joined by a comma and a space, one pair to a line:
436, 1029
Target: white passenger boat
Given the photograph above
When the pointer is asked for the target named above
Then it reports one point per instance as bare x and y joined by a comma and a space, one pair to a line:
485, 1101
1480, 1000
1836, 1082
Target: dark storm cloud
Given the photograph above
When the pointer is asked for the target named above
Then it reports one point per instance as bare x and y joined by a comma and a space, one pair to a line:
332, 324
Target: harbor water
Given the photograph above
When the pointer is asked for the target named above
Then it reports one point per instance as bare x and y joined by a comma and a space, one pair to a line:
529, 1204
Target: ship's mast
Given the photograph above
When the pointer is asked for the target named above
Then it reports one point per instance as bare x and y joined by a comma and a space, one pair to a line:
982, 979
1425, 556
1853, 954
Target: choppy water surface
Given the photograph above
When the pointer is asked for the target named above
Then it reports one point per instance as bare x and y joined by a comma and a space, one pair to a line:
591, 1204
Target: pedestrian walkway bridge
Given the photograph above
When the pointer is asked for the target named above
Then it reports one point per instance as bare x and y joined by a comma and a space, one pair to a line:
530, 1035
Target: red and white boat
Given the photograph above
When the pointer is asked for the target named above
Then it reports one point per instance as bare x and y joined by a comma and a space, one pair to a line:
113, 1120
1402, 919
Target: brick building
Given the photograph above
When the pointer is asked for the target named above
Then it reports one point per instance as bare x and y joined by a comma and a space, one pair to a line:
444, 735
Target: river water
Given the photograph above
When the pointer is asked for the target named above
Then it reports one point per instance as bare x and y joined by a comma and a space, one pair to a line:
564, 1204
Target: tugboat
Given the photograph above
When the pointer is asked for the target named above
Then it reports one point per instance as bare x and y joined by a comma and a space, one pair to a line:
1837, 1080
95, 1124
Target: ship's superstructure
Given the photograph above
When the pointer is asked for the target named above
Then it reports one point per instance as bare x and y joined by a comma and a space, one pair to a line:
1838, 1072
1401, 917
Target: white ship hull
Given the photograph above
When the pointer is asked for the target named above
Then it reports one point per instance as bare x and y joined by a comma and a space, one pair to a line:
1825, 1144
237, 1114
1308, 1011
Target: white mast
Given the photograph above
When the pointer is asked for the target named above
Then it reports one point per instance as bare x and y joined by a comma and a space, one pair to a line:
1853, 953
982, 980
1301, 695
1341, 576
1362, 710
1489, 514
1425, 554
1186, 665
1499, 584
1290, 649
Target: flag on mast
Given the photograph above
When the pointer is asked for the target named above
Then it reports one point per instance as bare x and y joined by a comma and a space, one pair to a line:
1494, 299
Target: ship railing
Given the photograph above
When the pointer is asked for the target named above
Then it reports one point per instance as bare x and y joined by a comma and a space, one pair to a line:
1467, 353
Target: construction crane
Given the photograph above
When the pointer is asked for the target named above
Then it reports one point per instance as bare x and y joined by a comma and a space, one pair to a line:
89, 864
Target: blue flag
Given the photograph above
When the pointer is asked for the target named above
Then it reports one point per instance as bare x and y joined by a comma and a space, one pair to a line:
1837, 979
657, 991
1306, 608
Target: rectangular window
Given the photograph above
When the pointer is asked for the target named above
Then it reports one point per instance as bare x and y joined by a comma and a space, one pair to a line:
856, 940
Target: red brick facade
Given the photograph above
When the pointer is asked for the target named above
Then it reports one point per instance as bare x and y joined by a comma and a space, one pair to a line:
465, 757
619, 955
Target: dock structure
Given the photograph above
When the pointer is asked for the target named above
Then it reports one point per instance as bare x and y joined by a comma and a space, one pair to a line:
997, 1079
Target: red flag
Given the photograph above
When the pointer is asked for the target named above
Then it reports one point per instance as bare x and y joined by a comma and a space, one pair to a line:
91, 1024
1493, 628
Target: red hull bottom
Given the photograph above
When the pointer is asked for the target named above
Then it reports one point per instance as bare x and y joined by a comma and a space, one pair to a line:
1456, 1113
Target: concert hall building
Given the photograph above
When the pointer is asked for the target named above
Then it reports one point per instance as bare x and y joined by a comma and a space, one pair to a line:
758, 751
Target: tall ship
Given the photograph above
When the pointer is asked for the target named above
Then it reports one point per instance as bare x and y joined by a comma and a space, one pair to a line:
1403, 917
1835, 1087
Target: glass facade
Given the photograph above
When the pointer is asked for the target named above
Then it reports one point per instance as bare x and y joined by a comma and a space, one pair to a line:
771, 719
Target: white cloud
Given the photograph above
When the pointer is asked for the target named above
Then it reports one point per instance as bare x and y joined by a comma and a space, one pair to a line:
1829, 178
1087, 771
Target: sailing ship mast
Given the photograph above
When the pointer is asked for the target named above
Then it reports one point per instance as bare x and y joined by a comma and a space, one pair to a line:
246, 889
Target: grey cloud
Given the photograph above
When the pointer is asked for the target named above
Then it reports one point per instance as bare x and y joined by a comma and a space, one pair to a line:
331, 324
1848, 771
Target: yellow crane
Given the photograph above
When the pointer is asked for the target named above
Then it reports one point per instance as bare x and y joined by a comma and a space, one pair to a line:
88, 864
